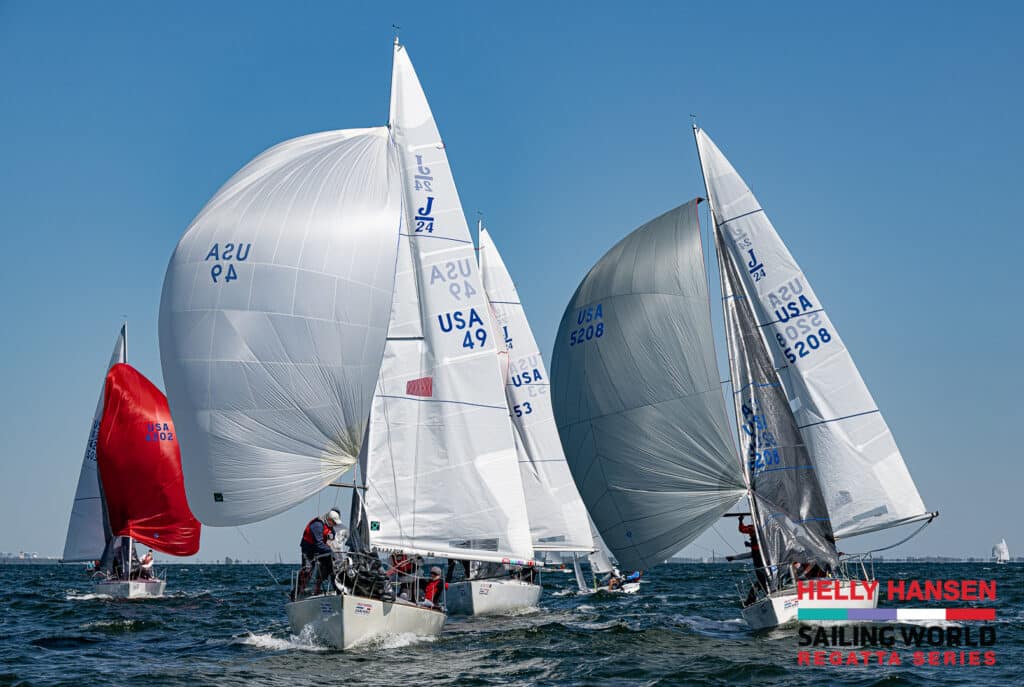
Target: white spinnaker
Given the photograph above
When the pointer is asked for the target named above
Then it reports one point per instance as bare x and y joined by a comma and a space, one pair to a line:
273, 318
87, 531
637, 396
558, 518
441, 473
866, 484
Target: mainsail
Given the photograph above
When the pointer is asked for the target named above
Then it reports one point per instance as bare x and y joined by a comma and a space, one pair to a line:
88, 529
139, 463
865, 482
788, 507
637, 395
558, 519
273, 317
440, 471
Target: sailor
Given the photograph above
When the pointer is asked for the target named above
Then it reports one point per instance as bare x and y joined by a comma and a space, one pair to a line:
402, 569
316, 547
146, 565
614, 580
756, 559
432, 592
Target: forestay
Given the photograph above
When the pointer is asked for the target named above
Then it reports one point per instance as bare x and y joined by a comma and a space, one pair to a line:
558, 519
441, 470
866, 484
789, 509
88, 529
273, 318
637, 396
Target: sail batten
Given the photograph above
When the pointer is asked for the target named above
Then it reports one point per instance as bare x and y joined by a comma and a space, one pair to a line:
637, 396
856, 458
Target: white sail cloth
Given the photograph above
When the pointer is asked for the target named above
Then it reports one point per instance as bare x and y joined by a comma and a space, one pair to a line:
273, 318
441, 471
558, 518
600, 559
637, 395
88, 528
862, 474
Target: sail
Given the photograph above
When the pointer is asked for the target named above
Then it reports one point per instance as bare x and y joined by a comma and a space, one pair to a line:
88, 529
581, 582
1001, 552
273, 316
139, 463
558, 518
866, 484
789, 511
441, 472
600, 559
637, 395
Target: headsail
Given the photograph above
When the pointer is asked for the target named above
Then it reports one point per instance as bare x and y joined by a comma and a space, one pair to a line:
600, 559
866, 484
789, 509
637, 395
137, 454
558, 519
441, 471
272, 322
88, 529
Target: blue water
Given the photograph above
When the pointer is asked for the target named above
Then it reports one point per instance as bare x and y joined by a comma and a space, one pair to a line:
225, 625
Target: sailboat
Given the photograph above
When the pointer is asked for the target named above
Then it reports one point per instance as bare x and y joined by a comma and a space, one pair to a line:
634, 359
130, 487
601, 563
557, 517
324, 313
1001, 552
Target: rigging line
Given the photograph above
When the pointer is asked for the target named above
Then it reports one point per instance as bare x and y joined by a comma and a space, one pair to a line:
265, 566
726, 541
905, 539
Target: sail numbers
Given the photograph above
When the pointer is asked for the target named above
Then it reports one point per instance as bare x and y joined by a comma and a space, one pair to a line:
799, 326
762, 448
229, 253
591, 325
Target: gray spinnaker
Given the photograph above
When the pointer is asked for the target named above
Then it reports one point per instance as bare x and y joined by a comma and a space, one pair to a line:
637, 395
789, 508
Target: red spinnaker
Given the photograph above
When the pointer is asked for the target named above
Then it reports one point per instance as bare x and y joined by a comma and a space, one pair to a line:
140, 466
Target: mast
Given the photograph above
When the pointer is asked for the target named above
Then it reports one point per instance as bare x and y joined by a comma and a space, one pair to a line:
728, 348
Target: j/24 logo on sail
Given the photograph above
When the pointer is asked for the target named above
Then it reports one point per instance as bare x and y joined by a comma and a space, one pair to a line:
230, 252
591, 325
471, 323
159, 431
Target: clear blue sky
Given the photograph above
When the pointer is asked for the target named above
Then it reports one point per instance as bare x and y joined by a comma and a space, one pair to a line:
884, 142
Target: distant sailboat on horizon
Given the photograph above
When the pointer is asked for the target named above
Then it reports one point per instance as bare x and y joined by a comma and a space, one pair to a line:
1001, 553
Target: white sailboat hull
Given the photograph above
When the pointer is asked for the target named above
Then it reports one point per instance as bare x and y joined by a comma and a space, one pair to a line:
131, 589
343, 621
780, 608
489, 597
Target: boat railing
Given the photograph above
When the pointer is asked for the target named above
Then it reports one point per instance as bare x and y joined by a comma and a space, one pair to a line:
757, 583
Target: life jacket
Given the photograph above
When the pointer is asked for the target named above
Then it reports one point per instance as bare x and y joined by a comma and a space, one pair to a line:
432, 592
307, 535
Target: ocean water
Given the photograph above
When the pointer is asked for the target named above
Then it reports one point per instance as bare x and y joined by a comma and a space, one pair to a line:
226, 625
